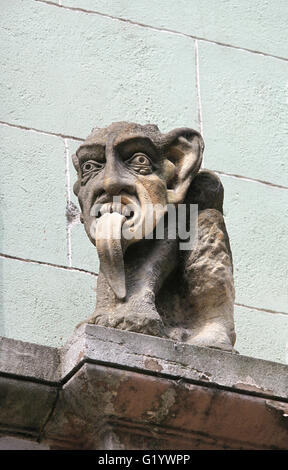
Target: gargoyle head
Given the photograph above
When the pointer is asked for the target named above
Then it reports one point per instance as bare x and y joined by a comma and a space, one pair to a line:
127, 174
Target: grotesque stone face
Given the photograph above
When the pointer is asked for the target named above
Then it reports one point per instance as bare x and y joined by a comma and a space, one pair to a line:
124, 171
127, 176
119, 162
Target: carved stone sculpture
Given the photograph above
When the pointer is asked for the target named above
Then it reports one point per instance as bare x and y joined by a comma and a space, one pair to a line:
147, 283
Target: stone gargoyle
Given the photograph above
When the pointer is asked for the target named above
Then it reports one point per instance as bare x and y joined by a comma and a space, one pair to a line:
147, 283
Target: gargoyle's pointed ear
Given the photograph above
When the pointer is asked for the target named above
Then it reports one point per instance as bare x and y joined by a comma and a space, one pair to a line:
184, 148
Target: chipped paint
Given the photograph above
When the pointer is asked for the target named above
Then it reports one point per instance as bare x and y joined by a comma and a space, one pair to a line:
250, 385
152, 364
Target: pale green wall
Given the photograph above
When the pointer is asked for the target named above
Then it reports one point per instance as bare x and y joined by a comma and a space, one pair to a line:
218, 66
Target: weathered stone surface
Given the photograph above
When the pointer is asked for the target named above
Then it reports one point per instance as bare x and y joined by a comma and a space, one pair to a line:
92, 343
122, 390
29, 360
130, 179
12, 443
25, 406
148, 412
171, 358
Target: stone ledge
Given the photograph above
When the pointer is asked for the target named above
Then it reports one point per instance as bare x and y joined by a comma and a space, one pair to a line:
108, 388
40, 363
168, 357
145, 353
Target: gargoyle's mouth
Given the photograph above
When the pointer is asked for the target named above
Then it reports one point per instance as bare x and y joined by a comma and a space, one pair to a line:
125, 205
111, 207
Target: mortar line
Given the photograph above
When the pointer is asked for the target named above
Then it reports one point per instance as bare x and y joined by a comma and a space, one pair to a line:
157, 28
45, 263
179, 379
68, 200
67, 170
260, 309
199, 104
33, 129
64, 136
250, 179
67, 268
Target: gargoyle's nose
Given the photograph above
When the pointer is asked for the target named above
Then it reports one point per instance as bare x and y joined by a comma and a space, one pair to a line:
117, 178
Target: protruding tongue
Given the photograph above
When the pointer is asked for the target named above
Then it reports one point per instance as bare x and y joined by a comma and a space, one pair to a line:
110, 251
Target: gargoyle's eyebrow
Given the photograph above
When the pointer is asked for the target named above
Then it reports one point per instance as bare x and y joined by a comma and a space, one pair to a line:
88, 151
135, 141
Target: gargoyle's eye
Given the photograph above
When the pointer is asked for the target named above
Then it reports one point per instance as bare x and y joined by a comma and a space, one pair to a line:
140, 159
91, 166
140, 163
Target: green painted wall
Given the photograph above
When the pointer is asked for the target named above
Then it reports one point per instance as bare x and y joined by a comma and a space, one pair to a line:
218, 66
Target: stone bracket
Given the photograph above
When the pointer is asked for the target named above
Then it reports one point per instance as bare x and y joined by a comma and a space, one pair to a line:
109, 388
